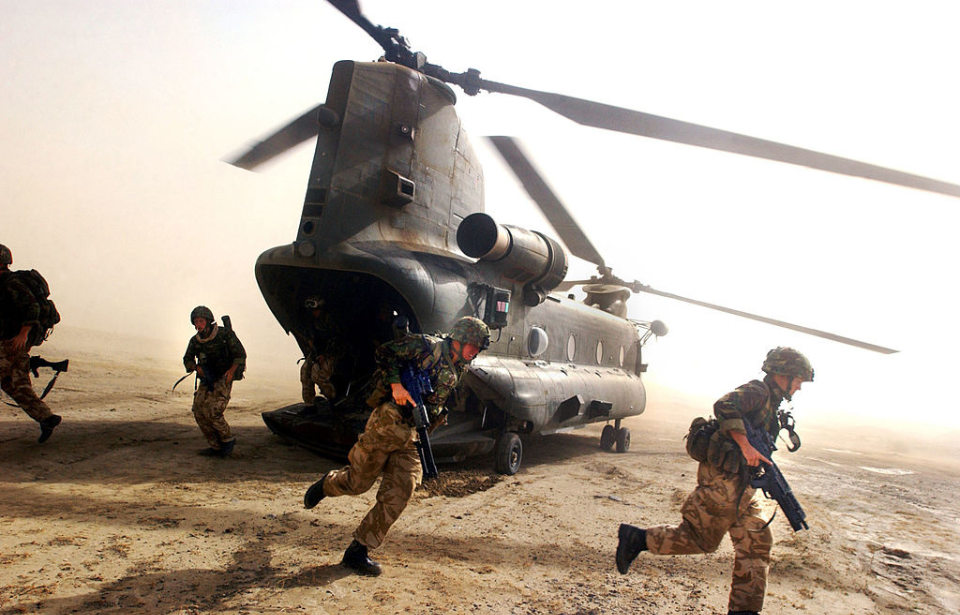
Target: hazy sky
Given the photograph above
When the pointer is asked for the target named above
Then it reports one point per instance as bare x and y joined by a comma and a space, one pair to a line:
117, 115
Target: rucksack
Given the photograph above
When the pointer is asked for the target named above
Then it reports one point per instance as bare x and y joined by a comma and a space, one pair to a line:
49, 316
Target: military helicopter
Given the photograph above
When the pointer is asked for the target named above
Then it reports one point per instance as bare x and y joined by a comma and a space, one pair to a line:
393, 230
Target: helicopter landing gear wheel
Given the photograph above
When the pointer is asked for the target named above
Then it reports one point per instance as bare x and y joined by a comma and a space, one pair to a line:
623, 440
608, 437
509, 453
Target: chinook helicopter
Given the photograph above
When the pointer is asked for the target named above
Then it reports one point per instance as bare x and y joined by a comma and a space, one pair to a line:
393, 231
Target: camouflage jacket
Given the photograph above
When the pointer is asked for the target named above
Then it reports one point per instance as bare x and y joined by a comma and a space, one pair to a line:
215, 354
18, 306
425, 352
756, 401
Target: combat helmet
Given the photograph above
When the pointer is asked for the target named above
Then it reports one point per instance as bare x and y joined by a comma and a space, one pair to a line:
6, 257
471, 330
201, 311
788, 362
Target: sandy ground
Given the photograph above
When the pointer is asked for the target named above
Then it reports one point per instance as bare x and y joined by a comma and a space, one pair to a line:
117, 514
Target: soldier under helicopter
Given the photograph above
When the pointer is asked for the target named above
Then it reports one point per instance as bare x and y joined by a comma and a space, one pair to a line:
323, 336
20, 328
218, 357
387, 447
724, 502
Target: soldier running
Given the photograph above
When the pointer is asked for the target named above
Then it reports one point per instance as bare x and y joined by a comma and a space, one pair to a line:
19, 322
387, 445
218, 357
724, 502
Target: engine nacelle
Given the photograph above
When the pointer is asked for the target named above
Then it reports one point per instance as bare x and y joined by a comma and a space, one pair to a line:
526, 257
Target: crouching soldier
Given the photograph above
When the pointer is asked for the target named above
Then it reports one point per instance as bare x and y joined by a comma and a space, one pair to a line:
218, 357
387, 447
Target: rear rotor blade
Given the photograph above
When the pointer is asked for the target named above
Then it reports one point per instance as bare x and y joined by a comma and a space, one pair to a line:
770, 321
296, 132
548, 202
599, 115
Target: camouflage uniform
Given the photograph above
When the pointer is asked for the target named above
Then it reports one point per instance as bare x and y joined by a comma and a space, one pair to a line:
724, 503
215, 353
387, 445
317, 369
18, 308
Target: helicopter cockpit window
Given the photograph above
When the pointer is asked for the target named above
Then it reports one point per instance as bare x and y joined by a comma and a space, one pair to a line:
537, 341
571, 347
599, 352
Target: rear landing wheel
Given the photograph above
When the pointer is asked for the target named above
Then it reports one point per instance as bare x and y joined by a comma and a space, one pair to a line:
608, 437
509, 453
623, 440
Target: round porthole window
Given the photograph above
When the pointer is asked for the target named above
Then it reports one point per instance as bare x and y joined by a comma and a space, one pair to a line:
571, 347
537, 341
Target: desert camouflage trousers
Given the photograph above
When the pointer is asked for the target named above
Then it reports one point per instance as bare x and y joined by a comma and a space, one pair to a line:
317, 372
209, 405
15, 381
386, 448
709, 513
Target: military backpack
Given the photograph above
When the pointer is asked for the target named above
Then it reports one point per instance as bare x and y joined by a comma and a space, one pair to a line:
49, 316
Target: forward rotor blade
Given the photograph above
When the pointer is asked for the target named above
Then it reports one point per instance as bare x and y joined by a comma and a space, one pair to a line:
771, 321
548, 202
296, 132
599, 115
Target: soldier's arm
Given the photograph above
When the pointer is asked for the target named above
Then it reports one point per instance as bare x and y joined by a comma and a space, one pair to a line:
734, 407
27, 306
27, 309
190, 357
391, 356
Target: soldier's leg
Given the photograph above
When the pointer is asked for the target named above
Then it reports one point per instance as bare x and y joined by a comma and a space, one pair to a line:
401, 476
321, 374
222, 390
202, 399
707, 515
308, 392
384, 433
15, 381
752, 558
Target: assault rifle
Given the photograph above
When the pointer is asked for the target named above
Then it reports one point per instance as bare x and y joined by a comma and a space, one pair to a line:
59, 366
771, 480
417, 383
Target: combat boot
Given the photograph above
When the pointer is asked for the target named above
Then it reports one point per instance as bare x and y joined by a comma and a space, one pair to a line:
632, 540
209, 452
227, 447
742, 613
356, 558
314, 494
47, 426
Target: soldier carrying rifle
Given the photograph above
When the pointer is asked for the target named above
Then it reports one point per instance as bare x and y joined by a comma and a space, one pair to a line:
724, 501
26, 317
387, 446
218, 357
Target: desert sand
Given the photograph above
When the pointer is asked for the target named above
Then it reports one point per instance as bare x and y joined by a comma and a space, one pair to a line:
118, 514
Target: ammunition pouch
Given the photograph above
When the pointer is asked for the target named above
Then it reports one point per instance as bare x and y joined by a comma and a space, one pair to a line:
724, 454
698, 438
706, 444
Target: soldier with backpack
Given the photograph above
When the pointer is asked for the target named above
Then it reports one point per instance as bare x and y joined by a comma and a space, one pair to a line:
26, 317
218, 357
